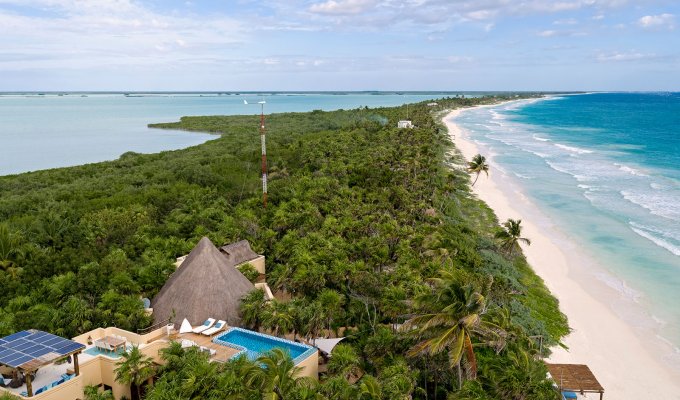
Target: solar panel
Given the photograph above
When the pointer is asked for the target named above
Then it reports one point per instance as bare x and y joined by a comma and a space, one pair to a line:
17, 335
22, 347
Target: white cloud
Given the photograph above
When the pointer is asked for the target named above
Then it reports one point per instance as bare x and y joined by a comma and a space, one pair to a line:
564, 33
566, 21
342, 7
661, 21
377, 14
74, 34
622, 56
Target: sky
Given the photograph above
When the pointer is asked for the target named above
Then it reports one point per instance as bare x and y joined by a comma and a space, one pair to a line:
144, 45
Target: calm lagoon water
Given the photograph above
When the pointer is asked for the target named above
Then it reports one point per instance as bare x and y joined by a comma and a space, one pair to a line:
606, 169
48, 131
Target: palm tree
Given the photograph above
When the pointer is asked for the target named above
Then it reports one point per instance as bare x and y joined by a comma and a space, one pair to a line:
477, 166
510, 236
332, 303
370, 388
134, 369
9, 247
279, 377
92, 393
344, 361
278, 317
455, 314
251, 309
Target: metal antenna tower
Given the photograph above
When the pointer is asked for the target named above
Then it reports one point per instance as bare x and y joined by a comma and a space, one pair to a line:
264, 151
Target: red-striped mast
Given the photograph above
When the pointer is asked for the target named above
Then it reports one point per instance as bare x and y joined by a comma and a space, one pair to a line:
264, 156
264, 151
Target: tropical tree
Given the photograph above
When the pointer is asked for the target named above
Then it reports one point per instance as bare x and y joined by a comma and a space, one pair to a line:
478, 165
510, 236
252, 306
134, 369
397, 381
332, 302
278, 317
279, 377
9, 247
519, 376
344, 361
92, 393
454, 313
370, 388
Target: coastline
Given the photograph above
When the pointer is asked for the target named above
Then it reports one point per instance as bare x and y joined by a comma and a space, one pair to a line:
626, 366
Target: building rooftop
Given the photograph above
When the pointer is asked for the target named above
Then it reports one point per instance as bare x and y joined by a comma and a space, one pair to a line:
31, 349
205, 286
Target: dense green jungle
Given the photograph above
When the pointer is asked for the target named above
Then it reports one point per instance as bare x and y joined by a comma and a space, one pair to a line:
370, 231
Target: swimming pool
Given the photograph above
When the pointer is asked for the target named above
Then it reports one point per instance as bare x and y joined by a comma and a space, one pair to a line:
93, 351
254, 344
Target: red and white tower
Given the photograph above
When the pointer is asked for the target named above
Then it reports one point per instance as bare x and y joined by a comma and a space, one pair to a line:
264, 152
264, 155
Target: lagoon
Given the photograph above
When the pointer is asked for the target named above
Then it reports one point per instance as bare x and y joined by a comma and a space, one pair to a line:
42, 131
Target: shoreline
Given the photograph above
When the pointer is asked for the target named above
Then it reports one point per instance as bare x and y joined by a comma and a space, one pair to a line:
626, 366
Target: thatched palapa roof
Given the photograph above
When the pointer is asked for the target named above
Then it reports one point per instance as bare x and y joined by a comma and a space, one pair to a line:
206, 286
575, 378
238, 253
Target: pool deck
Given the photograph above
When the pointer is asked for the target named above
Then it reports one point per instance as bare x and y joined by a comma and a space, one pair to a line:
224, 353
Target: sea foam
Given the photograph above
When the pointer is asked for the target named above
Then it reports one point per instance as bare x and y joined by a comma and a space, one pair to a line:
573, 149
656, 240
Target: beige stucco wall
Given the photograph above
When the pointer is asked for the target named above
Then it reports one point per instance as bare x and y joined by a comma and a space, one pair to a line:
310, 366
132, 338
258, 263
267, 291
73, 389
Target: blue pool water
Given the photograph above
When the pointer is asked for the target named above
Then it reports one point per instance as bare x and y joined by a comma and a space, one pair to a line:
256, 344
93, 351
605, 168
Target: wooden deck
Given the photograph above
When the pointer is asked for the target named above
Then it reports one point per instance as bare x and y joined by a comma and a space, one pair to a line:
224, 353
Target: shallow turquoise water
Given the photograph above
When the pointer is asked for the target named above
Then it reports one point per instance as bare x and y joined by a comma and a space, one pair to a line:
48, 131
606, 169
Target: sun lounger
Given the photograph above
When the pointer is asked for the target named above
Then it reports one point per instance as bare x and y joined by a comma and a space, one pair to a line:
206, 325
218, 327
188, 343
208, 350
569, 395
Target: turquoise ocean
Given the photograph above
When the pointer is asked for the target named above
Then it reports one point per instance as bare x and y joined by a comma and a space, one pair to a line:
41, 131
605, 168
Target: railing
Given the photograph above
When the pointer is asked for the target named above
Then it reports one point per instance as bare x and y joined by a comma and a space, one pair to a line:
152, 328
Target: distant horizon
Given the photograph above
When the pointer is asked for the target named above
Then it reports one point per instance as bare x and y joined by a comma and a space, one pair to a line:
316, 45
237, 92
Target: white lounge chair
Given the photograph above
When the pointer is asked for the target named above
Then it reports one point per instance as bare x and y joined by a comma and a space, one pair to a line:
208, 350
218, 327
207, 324
188, 343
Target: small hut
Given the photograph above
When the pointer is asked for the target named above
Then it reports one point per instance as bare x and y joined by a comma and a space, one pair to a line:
206, 286
240, 253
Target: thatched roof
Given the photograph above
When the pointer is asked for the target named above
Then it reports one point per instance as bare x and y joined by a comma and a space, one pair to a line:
206, 285
574, 378
238, 253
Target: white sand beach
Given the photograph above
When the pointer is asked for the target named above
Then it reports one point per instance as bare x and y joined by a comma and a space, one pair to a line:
627, 366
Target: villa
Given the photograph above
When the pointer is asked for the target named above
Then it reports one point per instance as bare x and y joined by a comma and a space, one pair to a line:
405, 124
197, 306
